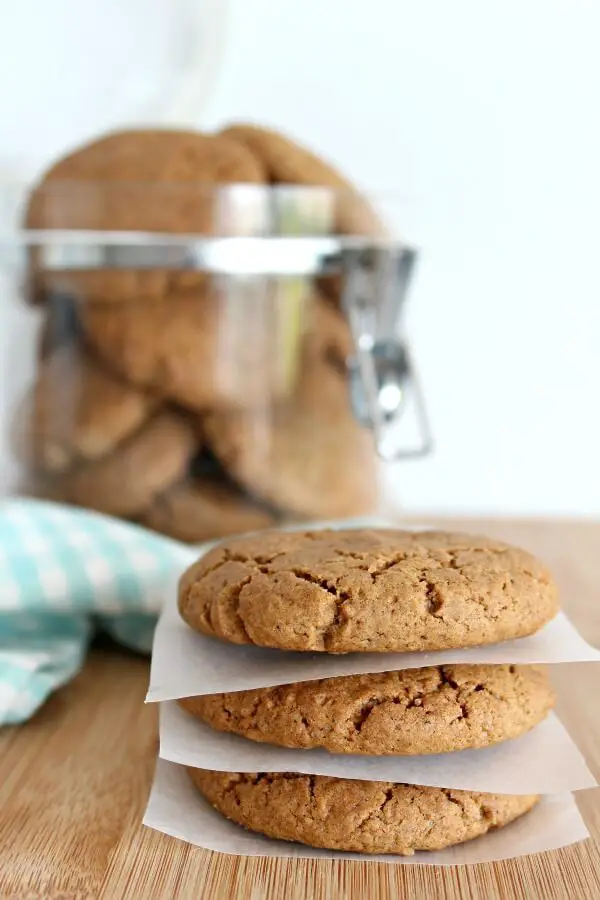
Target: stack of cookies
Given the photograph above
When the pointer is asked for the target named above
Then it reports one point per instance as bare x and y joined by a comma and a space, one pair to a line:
197, 406
379, 591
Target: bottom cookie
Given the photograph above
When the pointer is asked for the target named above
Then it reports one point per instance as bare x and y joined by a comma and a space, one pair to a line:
356, 816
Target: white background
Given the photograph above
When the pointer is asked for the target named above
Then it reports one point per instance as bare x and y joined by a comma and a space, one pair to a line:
483, 117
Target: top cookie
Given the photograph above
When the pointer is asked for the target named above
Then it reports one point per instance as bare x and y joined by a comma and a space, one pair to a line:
366, 590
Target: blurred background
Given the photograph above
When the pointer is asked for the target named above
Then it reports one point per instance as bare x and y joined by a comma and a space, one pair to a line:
480, 118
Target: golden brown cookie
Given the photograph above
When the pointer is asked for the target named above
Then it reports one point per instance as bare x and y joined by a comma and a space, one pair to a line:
307, 455
290, 163
367, 590
143, 180
357, 816
222, 349
126, 481
169, 347
436, 709
77, 411
205, 509
201, 352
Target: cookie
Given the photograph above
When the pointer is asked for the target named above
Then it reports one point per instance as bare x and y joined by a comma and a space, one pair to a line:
366, 590
127, 481
77, 411
357, 816
288, 162
223, 349
204, 509
307, 455
144, 180
437, 709
217, 349
168, 347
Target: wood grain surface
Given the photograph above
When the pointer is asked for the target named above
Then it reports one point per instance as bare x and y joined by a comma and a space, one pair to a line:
74, 783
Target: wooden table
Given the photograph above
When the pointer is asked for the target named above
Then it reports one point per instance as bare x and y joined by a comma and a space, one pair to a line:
74, 782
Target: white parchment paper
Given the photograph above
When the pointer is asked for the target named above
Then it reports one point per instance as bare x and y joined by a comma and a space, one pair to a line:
544, 761
176, 808
185, 663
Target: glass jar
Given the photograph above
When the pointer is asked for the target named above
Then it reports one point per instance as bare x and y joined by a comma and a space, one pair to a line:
237, 363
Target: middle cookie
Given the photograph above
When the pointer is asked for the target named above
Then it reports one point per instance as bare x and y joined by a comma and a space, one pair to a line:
435, 709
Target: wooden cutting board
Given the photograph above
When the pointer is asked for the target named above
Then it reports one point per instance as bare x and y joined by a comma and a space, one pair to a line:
74, 782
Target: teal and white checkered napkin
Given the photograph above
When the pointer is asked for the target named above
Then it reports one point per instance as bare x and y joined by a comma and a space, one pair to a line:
63, 573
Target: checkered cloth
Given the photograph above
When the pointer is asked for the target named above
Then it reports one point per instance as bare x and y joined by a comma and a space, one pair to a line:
63, 573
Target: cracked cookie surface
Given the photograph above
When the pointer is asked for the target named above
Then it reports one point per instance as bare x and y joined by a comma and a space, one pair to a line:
366, 590
360, 816
436, 709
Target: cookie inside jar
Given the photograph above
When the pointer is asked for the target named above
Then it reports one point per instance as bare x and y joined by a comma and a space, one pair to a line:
198, 403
